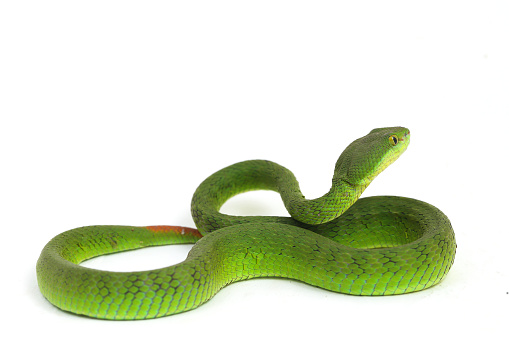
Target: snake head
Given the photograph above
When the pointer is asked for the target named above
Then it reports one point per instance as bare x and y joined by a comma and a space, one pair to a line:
368, 156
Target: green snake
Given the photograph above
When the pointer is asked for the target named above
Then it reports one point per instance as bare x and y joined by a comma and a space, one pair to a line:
381, 245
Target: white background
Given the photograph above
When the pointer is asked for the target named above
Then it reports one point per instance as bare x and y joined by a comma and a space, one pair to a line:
112, 112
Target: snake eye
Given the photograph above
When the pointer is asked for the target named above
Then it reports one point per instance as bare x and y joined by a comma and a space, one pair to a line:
393, 140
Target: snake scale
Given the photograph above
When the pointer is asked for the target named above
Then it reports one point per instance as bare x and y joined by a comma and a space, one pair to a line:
381, 245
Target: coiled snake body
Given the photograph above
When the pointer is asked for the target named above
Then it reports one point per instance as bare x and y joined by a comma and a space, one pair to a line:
380, 245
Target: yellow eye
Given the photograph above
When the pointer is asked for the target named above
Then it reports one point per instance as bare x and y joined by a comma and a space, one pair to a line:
393, 140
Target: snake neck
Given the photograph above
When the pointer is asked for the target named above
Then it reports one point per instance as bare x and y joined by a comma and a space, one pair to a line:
261, 174
331, 205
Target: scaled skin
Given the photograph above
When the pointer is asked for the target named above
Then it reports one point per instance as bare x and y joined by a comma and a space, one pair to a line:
371, 246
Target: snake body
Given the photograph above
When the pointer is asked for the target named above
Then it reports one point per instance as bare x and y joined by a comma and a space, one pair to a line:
378, 245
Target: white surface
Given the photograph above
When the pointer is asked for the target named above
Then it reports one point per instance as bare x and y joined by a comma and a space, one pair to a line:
112, 112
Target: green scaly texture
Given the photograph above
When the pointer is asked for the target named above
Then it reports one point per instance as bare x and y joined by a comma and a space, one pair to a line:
378, 245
